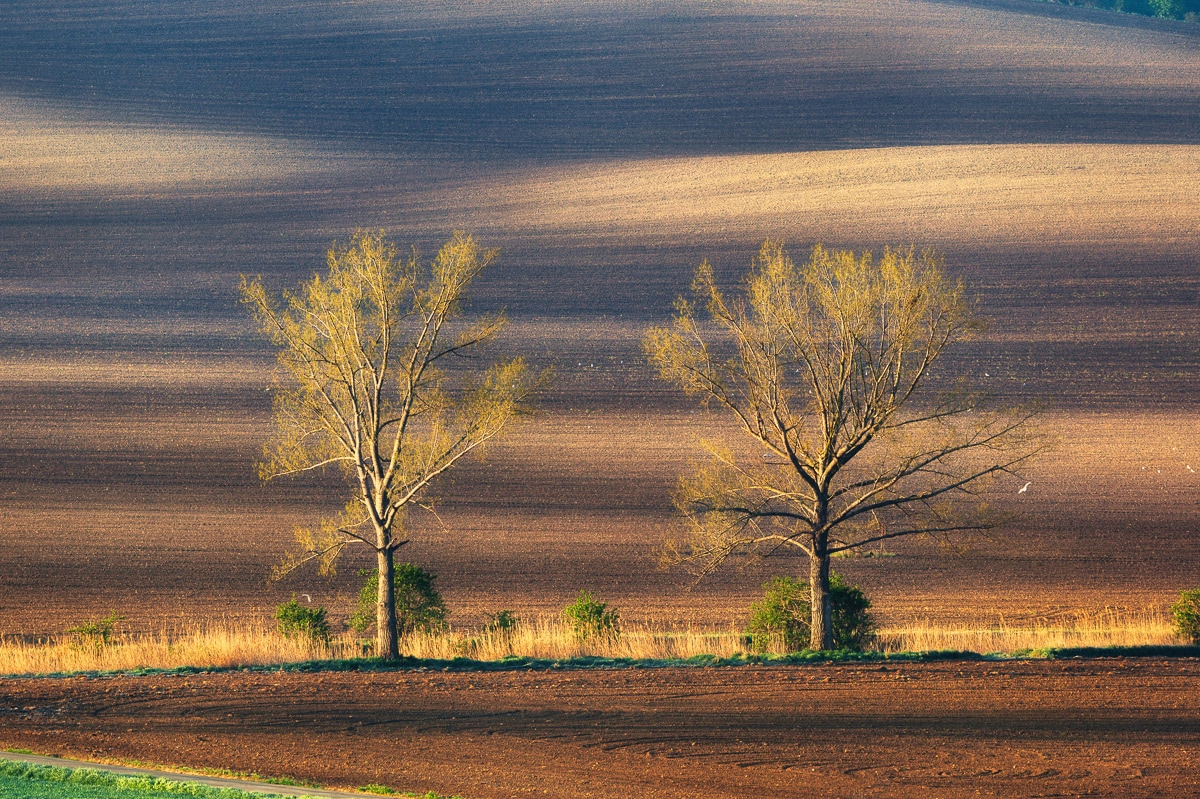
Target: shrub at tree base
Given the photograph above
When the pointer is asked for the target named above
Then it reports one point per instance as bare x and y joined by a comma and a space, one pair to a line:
783, 616
1186, 615
419, 606
589, 618
297, 621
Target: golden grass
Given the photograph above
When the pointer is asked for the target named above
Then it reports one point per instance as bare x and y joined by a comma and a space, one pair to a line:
550, 638
217, 645
1076, 629
224, 645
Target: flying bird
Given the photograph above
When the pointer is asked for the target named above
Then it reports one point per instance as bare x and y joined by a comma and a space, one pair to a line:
1024, 488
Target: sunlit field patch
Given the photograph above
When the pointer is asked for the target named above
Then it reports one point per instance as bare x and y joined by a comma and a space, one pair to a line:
50, 149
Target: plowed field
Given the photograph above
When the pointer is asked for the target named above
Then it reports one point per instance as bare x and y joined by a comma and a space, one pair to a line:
1050, 153
1111, 728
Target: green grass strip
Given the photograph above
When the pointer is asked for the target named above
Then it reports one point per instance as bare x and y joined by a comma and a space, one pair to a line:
1092, 652
19, 780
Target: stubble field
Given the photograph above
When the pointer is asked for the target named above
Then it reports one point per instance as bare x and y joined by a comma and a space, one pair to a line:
1050, 153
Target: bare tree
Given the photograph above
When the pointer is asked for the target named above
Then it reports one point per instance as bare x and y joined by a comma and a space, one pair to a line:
363, 353
826, 369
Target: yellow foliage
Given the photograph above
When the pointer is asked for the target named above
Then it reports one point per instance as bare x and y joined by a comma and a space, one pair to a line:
366, 386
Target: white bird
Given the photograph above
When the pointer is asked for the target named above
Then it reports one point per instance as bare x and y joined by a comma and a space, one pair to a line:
1024, 488
307, 597
1190, 469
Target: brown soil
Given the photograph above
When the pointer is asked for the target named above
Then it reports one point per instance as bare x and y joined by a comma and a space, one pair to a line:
1115, 728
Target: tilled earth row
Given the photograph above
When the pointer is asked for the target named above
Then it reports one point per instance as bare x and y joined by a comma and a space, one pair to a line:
1109, 727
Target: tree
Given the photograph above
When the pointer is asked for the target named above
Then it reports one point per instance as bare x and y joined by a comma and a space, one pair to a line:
1167, 9
827, 368
366, 386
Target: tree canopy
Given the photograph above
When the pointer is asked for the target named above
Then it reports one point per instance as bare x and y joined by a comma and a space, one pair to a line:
827, 369
369, 385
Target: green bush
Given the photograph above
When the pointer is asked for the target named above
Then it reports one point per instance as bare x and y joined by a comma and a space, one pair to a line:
95, 634
784, 616
419, 606
589, 618
1186, 615
299, 621
503, 623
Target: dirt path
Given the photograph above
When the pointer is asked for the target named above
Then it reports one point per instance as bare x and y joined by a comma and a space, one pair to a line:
1103, 728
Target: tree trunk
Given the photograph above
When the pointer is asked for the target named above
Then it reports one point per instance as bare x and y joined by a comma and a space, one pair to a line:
387, 644
821, 638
